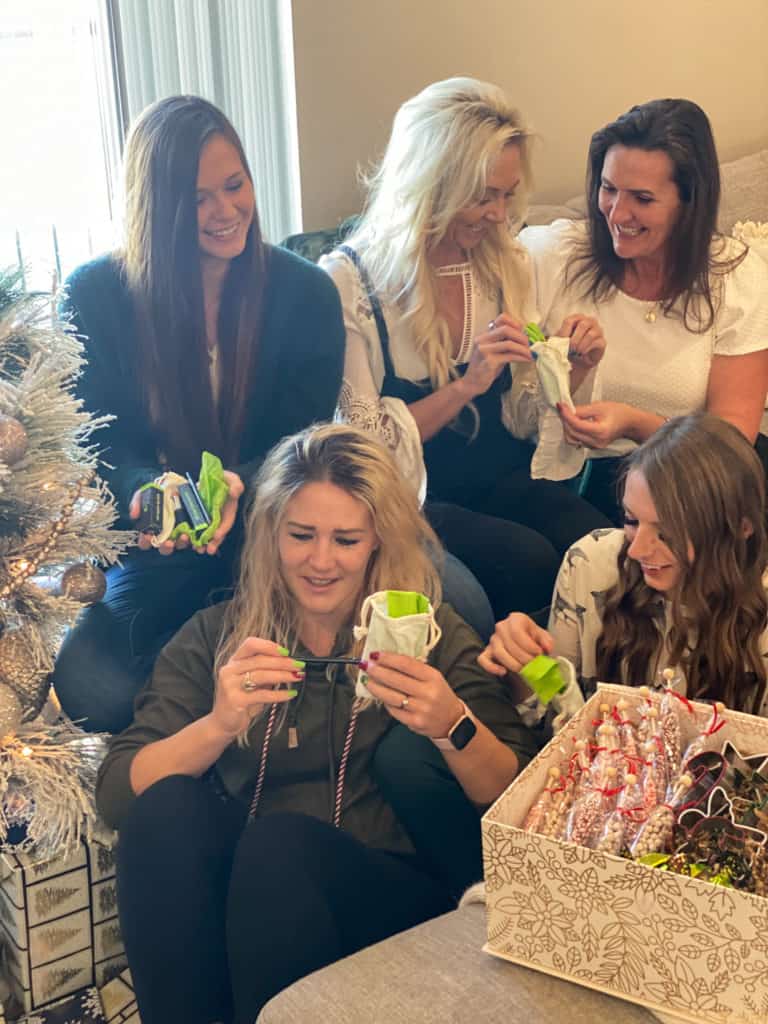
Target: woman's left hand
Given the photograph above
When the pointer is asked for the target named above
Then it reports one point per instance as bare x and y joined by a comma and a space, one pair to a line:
414, 693
587, 342
597, 424
228, 512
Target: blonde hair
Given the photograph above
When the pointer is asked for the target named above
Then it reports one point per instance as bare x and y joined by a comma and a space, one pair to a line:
708, 486
352, 460
436, 164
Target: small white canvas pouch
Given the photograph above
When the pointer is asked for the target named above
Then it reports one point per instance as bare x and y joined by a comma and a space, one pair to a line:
388, 624
554, 458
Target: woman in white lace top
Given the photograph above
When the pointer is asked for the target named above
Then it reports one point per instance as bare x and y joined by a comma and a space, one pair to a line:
435, 292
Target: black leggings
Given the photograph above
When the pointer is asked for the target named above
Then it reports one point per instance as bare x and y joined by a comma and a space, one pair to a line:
513, 536
218, 918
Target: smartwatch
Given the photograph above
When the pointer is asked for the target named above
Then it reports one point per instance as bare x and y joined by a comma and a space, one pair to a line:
460, 733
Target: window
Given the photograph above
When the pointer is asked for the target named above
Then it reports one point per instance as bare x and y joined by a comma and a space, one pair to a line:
63, 127
60, 136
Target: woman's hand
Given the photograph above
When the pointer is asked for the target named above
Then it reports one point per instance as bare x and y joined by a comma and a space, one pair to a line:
228, 515
515, 641
228, 511
504, 342
587, 342
414, 693
597, 424
251, 679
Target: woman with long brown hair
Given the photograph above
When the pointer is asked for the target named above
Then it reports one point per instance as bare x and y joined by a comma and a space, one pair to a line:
683, 306
682, 585
198, 336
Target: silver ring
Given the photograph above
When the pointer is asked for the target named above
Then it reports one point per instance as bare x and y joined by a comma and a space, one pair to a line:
492, 325
248, 684
404, 704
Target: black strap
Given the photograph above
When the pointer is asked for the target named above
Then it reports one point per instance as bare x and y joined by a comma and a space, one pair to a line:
378, 315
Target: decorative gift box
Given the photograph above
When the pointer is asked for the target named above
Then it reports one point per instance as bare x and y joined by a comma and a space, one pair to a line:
59, 924
119, 1001
83, 1007
681, 946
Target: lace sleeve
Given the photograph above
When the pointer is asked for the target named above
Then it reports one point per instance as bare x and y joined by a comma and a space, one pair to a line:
360, 399
391, 422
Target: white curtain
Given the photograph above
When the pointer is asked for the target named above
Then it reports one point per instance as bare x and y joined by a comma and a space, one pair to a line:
239, 55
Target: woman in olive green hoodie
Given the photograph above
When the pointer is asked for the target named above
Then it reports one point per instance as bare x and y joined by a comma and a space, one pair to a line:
255, 845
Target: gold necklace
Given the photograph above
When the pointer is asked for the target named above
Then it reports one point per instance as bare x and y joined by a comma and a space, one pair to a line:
652, 313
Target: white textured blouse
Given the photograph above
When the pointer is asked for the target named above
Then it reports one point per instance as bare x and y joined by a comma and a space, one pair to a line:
651, 361
360, 400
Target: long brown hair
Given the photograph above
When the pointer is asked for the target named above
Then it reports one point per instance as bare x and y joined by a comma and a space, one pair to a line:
708, 486
161, 259
682, 130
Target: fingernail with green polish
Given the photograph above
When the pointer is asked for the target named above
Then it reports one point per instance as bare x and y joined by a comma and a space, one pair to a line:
284, 651
299, 664
292, 693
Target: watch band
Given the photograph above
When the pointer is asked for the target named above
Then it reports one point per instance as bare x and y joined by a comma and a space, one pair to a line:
445, 742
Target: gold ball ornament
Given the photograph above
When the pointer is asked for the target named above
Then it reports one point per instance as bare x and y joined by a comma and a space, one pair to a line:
18, 671
84, 582
13, 440
10, 712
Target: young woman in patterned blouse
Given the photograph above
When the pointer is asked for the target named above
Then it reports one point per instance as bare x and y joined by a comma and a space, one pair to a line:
683, 584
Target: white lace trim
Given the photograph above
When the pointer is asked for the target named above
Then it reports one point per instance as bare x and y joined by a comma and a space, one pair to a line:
368, 415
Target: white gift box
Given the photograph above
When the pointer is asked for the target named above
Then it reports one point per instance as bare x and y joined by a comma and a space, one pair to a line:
686, 948
59, 923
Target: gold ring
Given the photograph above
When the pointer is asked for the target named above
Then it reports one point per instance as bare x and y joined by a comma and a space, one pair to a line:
248, 684
404, 704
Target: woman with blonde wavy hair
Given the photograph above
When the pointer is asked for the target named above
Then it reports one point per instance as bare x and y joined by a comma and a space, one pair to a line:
435, 292
250, 822
683, 585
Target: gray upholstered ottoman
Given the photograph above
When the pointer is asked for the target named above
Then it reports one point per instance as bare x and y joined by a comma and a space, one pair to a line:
437, 972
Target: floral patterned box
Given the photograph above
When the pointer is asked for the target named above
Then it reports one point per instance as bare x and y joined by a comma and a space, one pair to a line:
687, 948
58, 923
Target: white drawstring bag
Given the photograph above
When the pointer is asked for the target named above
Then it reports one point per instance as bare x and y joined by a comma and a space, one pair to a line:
554, 458
398, 622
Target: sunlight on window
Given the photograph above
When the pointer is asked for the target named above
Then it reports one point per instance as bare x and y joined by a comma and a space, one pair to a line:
54, 181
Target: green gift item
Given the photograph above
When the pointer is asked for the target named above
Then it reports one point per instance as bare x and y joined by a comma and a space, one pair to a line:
406, 602
534, 333
213, 490
544, 677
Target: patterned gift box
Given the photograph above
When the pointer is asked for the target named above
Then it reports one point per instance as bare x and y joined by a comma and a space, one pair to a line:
82, 1008
685, 948
59, 923
119, 1002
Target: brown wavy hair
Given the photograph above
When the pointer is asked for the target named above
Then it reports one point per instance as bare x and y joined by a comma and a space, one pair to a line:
161, 261
708, 487
697, 266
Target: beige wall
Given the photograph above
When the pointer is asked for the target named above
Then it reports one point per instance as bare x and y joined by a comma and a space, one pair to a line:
570, 65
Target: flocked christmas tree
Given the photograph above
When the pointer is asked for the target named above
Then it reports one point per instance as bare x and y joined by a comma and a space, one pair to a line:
55, 519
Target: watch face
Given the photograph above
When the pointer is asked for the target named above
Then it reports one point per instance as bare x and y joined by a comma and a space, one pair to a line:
462, 733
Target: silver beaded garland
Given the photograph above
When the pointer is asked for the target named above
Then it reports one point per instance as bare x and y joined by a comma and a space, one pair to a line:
13, 440
84, 582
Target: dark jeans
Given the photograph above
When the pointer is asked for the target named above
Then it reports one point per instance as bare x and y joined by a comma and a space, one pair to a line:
443, 824
108, 656
513, 536
602, 489
218, 918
